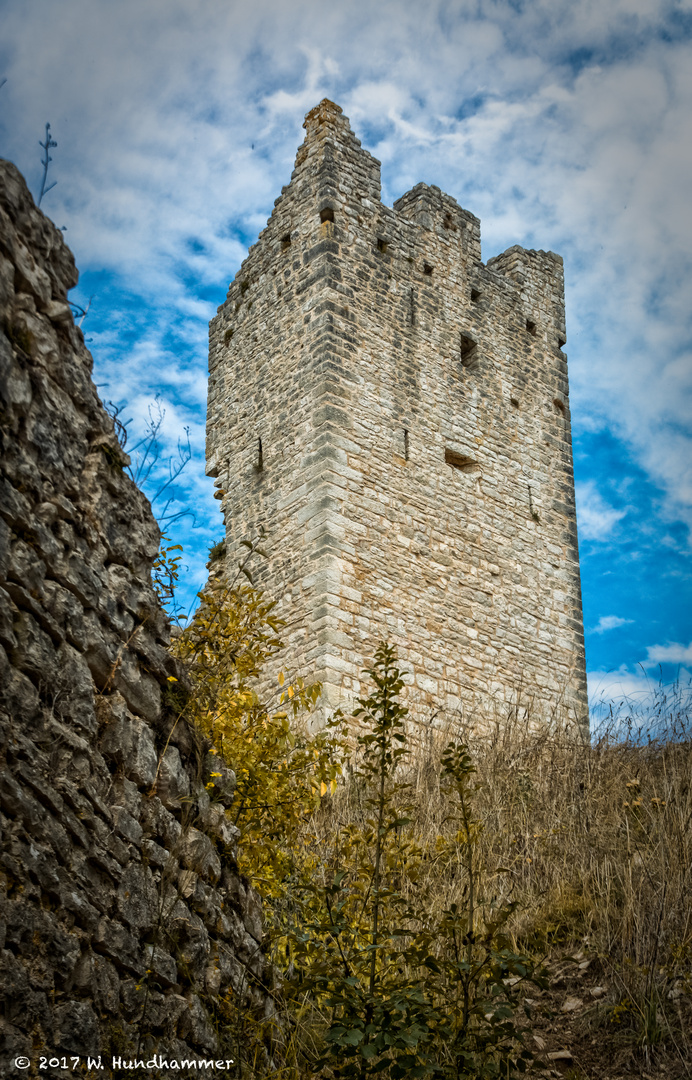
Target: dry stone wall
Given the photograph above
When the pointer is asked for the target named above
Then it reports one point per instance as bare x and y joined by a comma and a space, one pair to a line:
396, 415
124, 921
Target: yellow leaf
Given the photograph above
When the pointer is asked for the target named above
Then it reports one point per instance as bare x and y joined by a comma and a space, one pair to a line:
171, 678
323, 788
282, 678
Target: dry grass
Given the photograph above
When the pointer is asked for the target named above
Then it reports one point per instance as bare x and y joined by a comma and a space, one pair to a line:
594, 841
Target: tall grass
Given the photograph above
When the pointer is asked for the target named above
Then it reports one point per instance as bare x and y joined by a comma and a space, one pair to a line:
592, 839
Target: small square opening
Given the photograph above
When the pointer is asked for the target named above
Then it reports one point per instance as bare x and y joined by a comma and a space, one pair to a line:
427, 269
462, 462
561, 342
475, 296
382, 245
559, 405
285, 241
326, 214
531, 326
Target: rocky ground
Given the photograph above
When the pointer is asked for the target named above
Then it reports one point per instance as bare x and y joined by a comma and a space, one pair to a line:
584, 1030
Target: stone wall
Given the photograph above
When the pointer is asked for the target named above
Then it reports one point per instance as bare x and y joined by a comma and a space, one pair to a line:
124, 922
395, 413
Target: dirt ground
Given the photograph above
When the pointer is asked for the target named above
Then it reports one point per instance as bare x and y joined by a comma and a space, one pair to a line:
584, 1029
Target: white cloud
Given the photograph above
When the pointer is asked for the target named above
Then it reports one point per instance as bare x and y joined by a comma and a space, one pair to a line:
673, 653
624, 704
619, 685
609, 622
563, 124
596, 519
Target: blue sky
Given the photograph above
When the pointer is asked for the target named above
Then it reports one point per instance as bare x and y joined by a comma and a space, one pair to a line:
564, 125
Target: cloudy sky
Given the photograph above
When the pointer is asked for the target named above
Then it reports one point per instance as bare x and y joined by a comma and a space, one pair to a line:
562, 124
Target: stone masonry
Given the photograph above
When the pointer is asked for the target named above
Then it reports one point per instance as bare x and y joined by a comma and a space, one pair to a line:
123, 921
395, 414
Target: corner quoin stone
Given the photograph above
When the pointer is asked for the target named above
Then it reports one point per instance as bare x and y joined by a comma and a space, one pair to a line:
395, 413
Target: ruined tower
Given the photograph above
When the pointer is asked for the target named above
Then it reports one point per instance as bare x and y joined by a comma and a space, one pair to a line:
395, 414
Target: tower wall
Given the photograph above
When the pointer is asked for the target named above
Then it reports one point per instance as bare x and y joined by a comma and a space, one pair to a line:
395, 413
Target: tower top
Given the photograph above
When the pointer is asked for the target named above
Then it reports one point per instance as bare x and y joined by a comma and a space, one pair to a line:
327, 111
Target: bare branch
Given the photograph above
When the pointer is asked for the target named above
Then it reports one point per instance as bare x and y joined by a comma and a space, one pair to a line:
45, 161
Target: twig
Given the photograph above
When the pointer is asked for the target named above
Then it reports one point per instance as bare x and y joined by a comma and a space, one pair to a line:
47, 145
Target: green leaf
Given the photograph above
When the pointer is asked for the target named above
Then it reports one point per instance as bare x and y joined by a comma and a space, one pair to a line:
353, 1037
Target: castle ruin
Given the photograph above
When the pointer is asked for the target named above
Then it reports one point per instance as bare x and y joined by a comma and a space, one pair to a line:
395, 414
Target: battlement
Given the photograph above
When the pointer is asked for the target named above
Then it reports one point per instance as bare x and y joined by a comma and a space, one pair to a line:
396, 415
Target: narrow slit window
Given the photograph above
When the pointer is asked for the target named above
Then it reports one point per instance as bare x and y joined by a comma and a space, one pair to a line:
260, 457
468, 351
406, 444
326, 214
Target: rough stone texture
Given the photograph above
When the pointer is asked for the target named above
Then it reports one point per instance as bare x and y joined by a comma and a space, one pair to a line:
122, 911
395, 413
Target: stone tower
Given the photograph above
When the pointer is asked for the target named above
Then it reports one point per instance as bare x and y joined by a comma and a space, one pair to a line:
395, 414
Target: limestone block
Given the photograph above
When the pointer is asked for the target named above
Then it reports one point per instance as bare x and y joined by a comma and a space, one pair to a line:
253, 914
24, 1005
7, 636
198, 854
76, 1028
162, 966
15, 385
173, 781
128, 827
137, 897
114, 941
154, 854
222, 777
141, 690
34, 653
219, 825
97, 978
159, 822
129, 742
75, 690
194, 1024
71, 898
